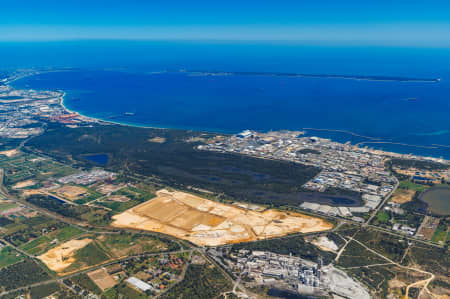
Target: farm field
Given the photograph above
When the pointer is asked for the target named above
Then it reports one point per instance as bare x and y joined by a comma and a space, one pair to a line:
206, 222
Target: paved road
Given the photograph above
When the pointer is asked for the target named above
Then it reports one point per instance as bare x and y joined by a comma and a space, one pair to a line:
374, 213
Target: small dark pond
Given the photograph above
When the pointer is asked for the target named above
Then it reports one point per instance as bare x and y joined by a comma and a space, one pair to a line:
101, 159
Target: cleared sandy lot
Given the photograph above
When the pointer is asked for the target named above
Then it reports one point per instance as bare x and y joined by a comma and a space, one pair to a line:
24, 184
402, 196
61, 257
71, 192
10, 153
119, 198
102, 279
209, 223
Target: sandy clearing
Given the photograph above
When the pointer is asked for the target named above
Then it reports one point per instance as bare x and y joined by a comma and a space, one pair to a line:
61, 257
402, 196
325, 244
118, 198
71, 192
10, 153
157, 139
24, 184
205, 222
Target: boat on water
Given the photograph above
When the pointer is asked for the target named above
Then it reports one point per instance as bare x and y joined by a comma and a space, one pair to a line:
129, 113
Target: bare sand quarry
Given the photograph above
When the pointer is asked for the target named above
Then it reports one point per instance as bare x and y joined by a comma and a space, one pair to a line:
205, 222
62, 256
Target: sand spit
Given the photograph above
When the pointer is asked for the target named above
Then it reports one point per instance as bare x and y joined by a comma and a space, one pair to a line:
205, 222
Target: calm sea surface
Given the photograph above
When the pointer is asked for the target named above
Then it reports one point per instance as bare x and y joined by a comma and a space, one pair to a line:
140, 84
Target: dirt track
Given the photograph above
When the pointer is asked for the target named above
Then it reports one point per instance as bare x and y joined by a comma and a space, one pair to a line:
209, 223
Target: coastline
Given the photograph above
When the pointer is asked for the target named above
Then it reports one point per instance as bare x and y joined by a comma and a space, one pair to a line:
386, 152
374, 140
111, 122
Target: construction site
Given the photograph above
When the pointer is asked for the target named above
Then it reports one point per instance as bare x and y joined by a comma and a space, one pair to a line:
208, 223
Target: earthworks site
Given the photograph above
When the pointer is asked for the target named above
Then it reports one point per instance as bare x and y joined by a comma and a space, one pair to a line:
205, 222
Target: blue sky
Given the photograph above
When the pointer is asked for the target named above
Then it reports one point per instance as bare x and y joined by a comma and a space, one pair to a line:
380, 22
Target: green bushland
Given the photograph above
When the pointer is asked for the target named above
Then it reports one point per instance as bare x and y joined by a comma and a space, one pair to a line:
25, 229
388, 245
44, 290
200, 281
348, 229
89, 255
383, 217
5, 221
36, 246
356, 255
84, 213
43, 243
21, 274
122, 290
67, 233
424, 165
58, 207
136, 243
179, 164
439, 236
430, 258
86, 283
295, 245
441, 232
376, 278
9, 256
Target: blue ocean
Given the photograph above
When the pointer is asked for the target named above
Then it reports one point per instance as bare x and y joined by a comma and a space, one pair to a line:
150, 84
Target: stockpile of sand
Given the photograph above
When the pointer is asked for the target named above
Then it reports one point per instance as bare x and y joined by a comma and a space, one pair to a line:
206, 222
